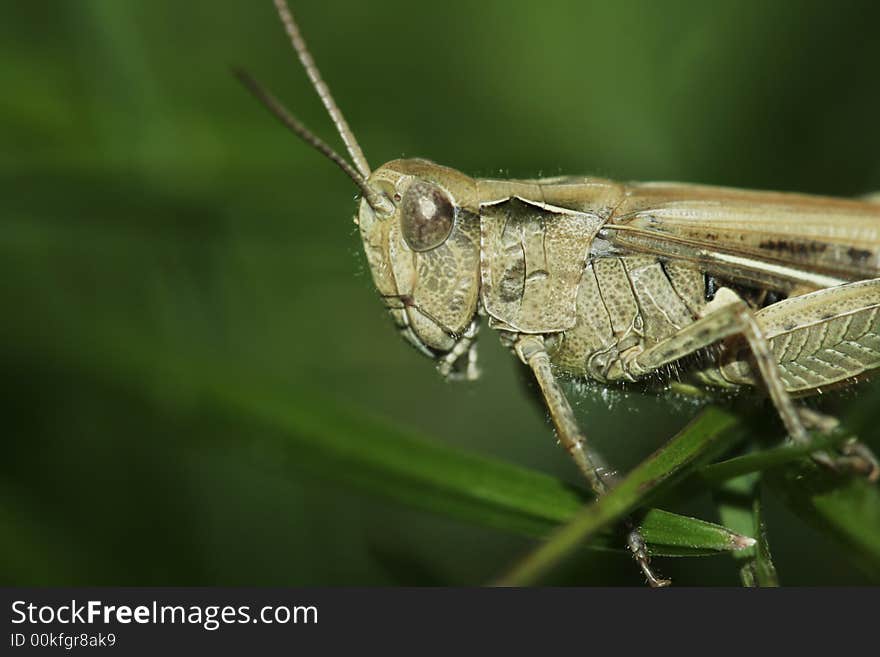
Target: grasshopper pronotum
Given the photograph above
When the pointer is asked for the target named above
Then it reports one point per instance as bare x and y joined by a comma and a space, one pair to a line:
615, 282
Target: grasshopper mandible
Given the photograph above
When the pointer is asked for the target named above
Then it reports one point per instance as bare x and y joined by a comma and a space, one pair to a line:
618, 281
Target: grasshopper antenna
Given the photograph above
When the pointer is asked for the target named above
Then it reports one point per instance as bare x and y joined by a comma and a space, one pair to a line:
305, 57
376, 199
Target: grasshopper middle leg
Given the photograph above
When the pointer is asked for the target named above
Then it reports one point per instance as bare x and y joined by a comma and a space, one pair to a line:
532, 352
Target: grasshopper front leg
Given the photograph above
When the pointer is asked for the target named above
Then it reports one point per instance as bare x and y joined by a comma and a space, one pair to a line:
531, 351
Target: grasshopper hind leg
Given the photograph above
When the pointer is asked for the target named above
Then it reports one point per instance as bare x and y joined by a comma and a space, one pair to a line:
533, 353
823, 338
728, 315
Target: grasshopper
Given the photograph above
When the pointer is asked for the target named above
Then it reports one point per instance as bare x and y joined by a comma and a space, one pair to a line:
618, 282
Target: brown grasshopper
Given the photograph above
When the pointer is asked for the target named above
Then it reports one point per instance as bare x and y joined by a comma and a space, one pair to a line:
587, 277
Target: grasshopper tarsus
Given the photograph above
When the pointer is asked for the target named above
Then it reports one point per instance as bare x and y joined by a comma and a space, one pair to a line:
639, 549
853, 458
858, 459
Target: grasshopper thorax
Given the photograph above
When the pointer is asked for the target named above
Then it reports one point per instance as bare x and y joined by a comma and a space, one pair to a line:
425, 255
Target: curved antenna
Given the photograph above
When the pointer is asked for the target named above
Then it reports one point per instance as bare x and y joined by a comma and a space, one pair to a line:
305, 57
376, 199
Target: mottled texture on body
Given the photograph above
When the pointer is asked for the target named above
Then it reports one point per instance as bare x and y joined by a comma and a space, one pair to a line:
531, 283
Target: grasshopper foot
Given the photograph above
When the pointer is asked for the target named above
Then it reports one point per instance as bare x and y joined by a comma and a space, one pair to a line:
854, 457
654, 581
640, 552
858, 459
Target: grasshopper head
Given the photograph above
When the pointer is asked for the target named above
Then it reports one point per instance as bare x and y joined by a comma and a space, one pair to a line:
424, 254
420, 229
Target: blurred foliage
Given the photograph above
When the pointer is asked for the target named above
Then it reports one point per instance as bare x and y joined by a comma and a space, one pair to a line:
158, 230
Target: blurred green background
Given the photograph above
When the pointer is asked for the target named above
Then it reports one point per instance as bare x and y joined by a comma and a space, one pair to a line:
161, 237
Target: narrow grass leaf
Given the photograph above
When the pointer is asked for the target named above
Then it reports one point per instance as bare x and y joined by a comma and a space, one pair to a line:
768, 458
765, 569
846, 508
673, 535
298, 432
739, 507
704, 435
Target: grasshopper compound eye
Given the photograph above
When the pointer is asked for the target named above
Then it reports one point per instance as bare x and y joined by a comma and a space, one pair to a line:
427, 216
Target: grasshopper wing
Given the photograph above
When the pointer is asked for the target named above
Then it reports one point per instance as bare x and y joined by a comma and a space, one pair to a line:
764, 239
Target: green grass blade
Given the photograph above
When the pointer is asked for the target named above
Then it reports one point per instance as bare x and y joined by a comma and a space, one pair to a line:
673, 535
844, 508
384, 460
300, 433
739, 506
704, 435
765, 570
768, 458
372, 455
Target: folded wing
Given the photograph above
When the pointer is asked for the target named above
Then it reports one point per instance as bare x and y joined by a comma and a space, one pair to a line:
767, 239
